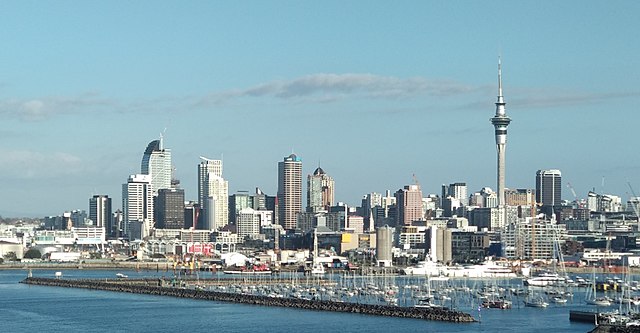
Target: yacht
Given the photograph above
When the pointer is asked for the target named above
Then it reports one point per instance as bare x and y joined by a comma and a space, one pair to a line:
488, 269
426, 268
536, 303
545, 279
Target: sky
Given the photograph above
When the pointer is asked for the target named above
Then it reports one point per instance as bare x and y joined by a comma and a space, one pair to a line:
374, 92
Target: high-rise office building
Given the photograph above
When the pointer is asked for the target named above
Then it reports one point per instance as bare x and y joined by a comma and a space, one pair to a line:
137, 203
289, 191
500, 122
248, 223
100, 213
238, 202
192, 212
156, 162
320, 189
213, 195
409, 205
549, 188
169, 208
216, 205
457, 191
206, 167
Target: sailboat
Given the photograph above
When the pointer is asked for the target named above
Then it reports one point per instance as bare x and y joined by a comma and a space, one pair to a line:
317, 269
426, 301
592, 297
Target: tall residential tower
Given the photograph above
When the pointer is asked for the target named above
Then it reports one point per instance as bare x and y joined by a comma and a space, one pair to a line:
319, 191
213, 194
500, 122
289, 191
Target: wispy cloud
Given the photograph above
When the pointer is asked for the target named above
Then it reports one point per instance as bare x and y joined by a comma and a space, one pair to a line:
333, 87
26, 164
44, 107
319, 88
544, 98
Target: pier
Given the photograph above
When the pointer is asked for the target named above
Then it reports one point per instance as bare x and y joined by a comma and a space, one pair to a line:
149, 288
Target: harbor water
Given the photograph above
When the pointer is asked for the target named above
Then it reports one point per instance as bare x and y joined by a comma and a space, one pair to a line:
45, 309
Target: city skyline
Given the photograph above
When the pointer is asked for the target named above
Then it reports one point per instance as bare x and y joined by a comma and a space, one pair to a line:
390, 90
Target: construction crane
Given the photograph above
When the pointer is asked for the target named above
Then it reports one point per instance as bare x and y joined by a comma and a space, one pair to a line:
575, 196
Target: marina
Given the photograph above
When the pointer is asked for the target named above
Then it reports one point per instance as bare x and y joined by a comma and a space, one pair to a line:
464, 295
389, 295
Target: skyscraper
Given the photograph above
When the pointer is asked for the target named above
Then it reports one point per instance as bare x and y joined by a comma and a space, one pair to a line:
548, 187
216, 205
500, 122
205, 167
289, 191
156, 162
169, 208
137, 203
100, 213
409, 205
213, 194
457, 191
320, 189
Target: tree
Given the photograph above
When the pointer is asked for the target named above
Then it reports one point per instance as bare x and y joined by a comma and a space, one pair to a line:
33, 254
10, 256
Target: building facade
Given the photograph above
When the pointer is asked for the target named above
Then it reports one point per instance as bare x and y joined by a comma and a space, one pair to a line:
289, 191
320, 191
137, 203
156, 162
207, 166
549, 188
100, 212
409, 205
169, 209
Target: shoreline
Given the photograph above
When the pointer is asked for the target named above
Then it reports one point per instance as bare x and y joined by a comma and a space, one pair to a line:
168, 266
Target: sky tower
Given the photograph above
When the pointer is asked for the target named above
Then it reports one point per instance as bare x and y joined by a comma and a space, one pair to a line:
500, 122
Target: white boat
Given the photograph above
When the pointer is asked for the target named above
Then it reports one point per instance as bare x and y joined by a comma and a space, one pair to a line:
536, 303
559, 300
317, 269
426, 268
545, 279
121, 276
247, 272
488, 269
599, 301
428, 304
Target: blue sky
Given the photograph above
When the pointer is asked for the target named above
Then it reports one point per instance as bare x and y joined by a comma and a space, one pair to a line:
373, 91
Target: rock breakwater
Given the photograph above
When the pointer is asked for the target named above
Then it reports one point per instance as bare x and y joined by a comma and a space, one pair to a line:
317, 305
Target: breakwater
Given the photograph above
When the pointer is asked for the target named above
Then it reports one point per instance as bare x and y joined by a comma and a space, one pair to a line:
317, 305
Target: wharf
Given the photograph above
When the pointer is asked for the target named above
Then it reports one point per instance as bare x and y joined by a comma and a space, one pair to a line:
317, 305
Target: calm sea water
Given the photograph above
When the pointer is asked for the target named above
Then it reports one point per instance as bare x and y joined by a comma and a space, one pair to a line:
26, 308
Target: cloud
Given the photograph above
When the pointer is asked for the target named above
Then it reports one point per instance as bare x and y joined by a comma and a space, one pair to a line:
25, 164
37, 109
333, 87
321, 88
537, 98
542, 98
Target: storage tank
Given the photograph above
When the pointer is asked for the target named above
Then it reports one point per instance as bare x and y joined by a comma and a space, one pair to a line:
384, 243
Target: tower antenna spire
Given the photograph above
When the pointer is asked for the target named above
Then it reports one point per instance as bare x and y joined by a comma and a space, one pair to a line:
500, 97
500, 122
